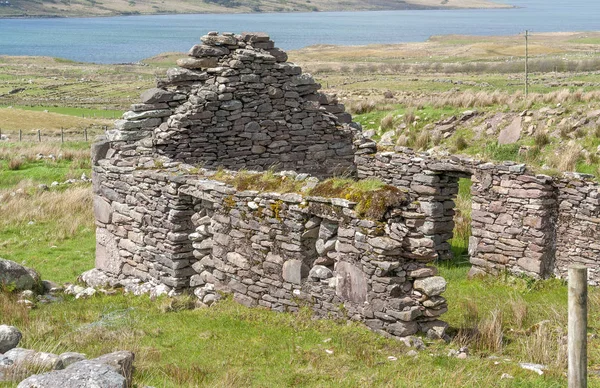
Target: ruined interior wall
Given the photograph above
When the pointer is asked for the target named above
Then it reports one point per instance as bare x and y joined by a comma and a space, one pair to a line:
432, 183
278, 251
578, 225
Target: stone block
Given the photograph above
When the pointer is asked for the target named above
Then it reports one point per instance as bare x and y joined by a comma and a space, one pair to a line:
294, 271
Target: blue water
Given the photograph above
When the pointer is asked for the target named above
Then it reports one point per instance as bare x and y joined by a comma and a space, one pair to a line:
132, 38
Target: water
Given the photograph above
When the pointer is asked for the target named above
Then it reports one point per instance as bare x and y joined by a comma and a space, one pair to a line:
133, 38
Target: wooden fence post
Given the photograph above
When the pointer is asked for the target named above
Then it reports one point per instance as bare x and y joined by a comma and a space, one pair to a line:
577, 336
62, 135
20, 135
39, 135
85, 134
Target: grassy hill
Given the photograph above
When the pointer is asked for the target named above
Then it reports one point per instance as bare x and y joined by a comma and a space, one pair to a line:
68, 8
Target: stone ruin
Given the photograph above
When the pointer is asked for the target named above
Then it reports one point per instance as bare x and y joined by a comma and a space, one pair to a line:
164, 223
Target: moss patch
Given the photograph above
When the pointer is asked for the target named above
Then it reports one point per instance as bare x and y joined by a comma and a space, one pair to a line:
374, 198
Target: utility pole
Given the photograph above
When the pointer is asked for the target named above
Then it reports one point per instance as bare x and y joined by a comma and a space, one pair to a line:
526, 63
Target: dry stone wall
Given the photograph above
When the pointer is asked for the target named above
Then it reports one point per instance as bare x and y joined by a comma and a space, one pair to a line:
236, 102
522, 222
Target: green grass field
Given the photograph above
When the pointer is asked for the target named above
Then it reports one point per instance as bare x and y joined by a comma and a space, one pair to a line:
503, 321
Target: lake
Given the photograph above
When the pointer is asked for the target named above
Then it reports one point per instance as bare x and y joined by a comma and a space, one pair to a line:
133, 38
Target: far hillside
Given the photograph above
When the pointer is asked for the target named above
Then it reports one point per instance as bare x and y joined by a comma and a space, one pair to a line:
74, 8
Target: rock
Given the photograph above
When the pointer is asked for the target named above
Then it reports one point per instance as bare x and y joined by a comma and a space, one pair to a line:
18, 277
431, 286
512, 133
31, 358
537, 368
202, 50
320, 272
82, 374
197, 63
95, 278
387, 139
351, 283
294, 271
51, 287
10, 337
155, 95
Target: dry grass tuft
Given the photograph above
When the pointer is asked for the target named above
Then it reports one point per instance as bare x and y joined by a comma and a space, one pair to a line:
422, 141
541, 138
566, 159
484, 335
387, 122
15, 164
362, 107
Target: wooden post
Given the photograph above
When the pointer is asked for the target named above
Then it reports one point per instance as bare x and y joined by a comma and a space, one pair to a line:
20, 135
577, 341
39, 135
85, 134
62, 135
526, 63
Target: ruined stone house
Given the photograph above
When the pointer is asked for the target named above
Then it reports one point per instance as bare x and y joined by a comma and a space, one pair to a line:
236, 103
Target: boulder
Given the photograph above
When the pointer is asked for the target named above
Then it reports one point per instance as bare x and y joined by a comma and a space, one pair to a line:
10, 337
18, 277
83, 374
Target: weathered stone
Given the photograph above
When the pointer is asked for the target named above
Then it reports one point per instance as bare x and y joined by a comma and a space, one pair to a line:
294, 271
197, 63
320, 272
10, 337
352, 284
107, 252
202, 50
511, 133
430, 286
18, 277
83, 374
156, 95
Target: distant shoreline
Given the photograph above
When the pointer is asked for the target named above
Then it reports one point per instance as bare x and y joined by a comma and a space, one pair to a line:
408, 7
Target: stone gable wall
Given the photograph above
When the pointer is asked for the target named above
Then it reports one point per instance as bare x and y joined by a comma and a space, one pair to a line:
237, 103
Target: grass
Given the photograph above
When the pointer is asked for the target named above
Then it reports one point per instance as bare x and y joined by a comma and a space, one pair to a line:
230, 345
51, 231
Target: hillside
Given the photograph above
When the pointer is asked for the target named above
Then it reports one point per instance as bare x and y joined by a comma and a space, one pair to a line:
73, 8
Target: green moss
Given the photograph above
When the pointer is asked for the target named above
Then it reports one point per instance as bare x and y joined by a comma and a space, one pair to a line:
372, 196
